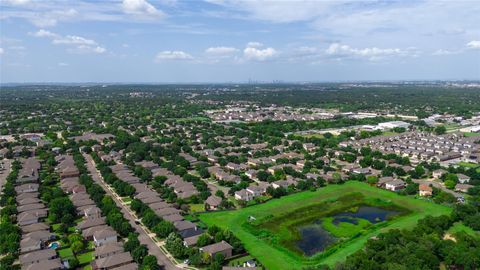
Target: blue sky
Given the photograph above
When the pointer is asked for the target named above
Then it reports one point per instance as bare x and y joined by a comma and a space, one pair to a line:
234, 41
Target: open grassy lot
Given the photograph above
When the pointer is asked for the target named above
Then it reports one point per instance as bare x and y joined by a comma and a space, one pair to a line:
460, 227
468, 164
471, 134
276, 256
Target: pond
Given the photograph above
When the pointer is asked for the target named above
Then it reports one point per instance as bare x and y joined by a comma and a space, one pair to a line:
370, 213
314, 238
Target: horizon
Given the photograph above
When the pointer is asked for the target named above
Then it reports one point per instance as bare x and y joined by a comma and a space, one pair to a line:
217, 41
242, 82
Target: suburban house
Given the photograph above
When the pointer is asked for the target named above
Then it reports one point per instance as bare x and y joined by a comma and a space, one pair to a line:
425, 190
395, 185
243, 195
212, 202
54, 264
104, 236
463, 187
222, 247
438, 173
37, 256
113, 261
108, 249
462, 178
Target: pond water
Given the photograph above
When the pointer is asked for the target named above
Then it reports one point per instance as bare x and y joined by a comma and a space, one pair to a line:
370, 213
314, 238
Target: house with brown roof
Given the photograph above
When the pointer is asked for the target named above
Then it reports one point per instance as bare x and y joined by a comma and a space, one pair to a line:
31, 217
222, 247
108, 249
27, 188
54, 264
425, 190
37, 256
34, 227
104, 236
112, 261
463, 187
395, 185
212, 202
88, 223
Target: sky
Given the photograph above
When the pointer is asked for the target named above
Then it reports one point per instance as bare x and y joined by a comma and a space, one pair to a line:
169, 41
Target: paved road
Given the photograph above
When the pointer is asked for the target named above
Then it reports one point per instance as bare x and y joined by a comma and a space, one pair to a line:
3, 174
438, 185
144, 238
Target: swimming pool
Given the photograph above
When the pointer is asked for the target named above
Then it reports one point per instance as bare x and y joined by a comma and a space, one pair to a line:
54, 245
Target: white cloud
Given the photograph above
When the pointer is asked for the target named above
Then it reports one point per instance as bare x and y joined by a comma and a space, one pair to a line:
76, 40
62, 64
374, 53
254, 44
44, 33
141, 8
18, 2
252, 53
221, 50
446, 52
77, 44
51, 18
1, 51
474, 44
173, 55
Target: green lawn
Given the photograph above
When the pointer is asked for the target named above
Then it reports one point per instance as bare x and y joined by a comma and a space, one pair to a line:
460, 227
65, 253
389, 133
85, 257
467, 164
275, 256
239, 261
471, 134
55, 227
126, 199
197, 207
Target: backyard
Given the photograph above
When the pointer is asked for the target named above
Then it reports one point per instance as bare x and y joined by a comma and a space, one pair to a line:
269, 231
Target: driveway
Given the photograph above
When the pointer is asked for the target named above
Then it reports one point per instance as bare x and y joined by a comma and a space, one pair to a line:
144, 237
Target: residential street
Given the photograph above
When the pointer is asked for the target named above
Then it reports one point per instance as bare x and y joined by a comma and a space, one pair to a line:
144, 237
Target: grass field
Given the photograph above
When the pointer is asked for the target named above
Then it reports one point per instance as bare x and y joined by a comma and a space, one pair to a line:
468, 164
65, 253
85, 257
460, 227
275, 256
197, 207
471, 134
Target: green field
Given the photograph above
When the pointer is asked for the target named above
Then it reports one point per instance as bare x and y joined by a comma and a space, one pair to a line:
467, 164
460, 227
471, 134
274, 255
85, 257
65, 253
